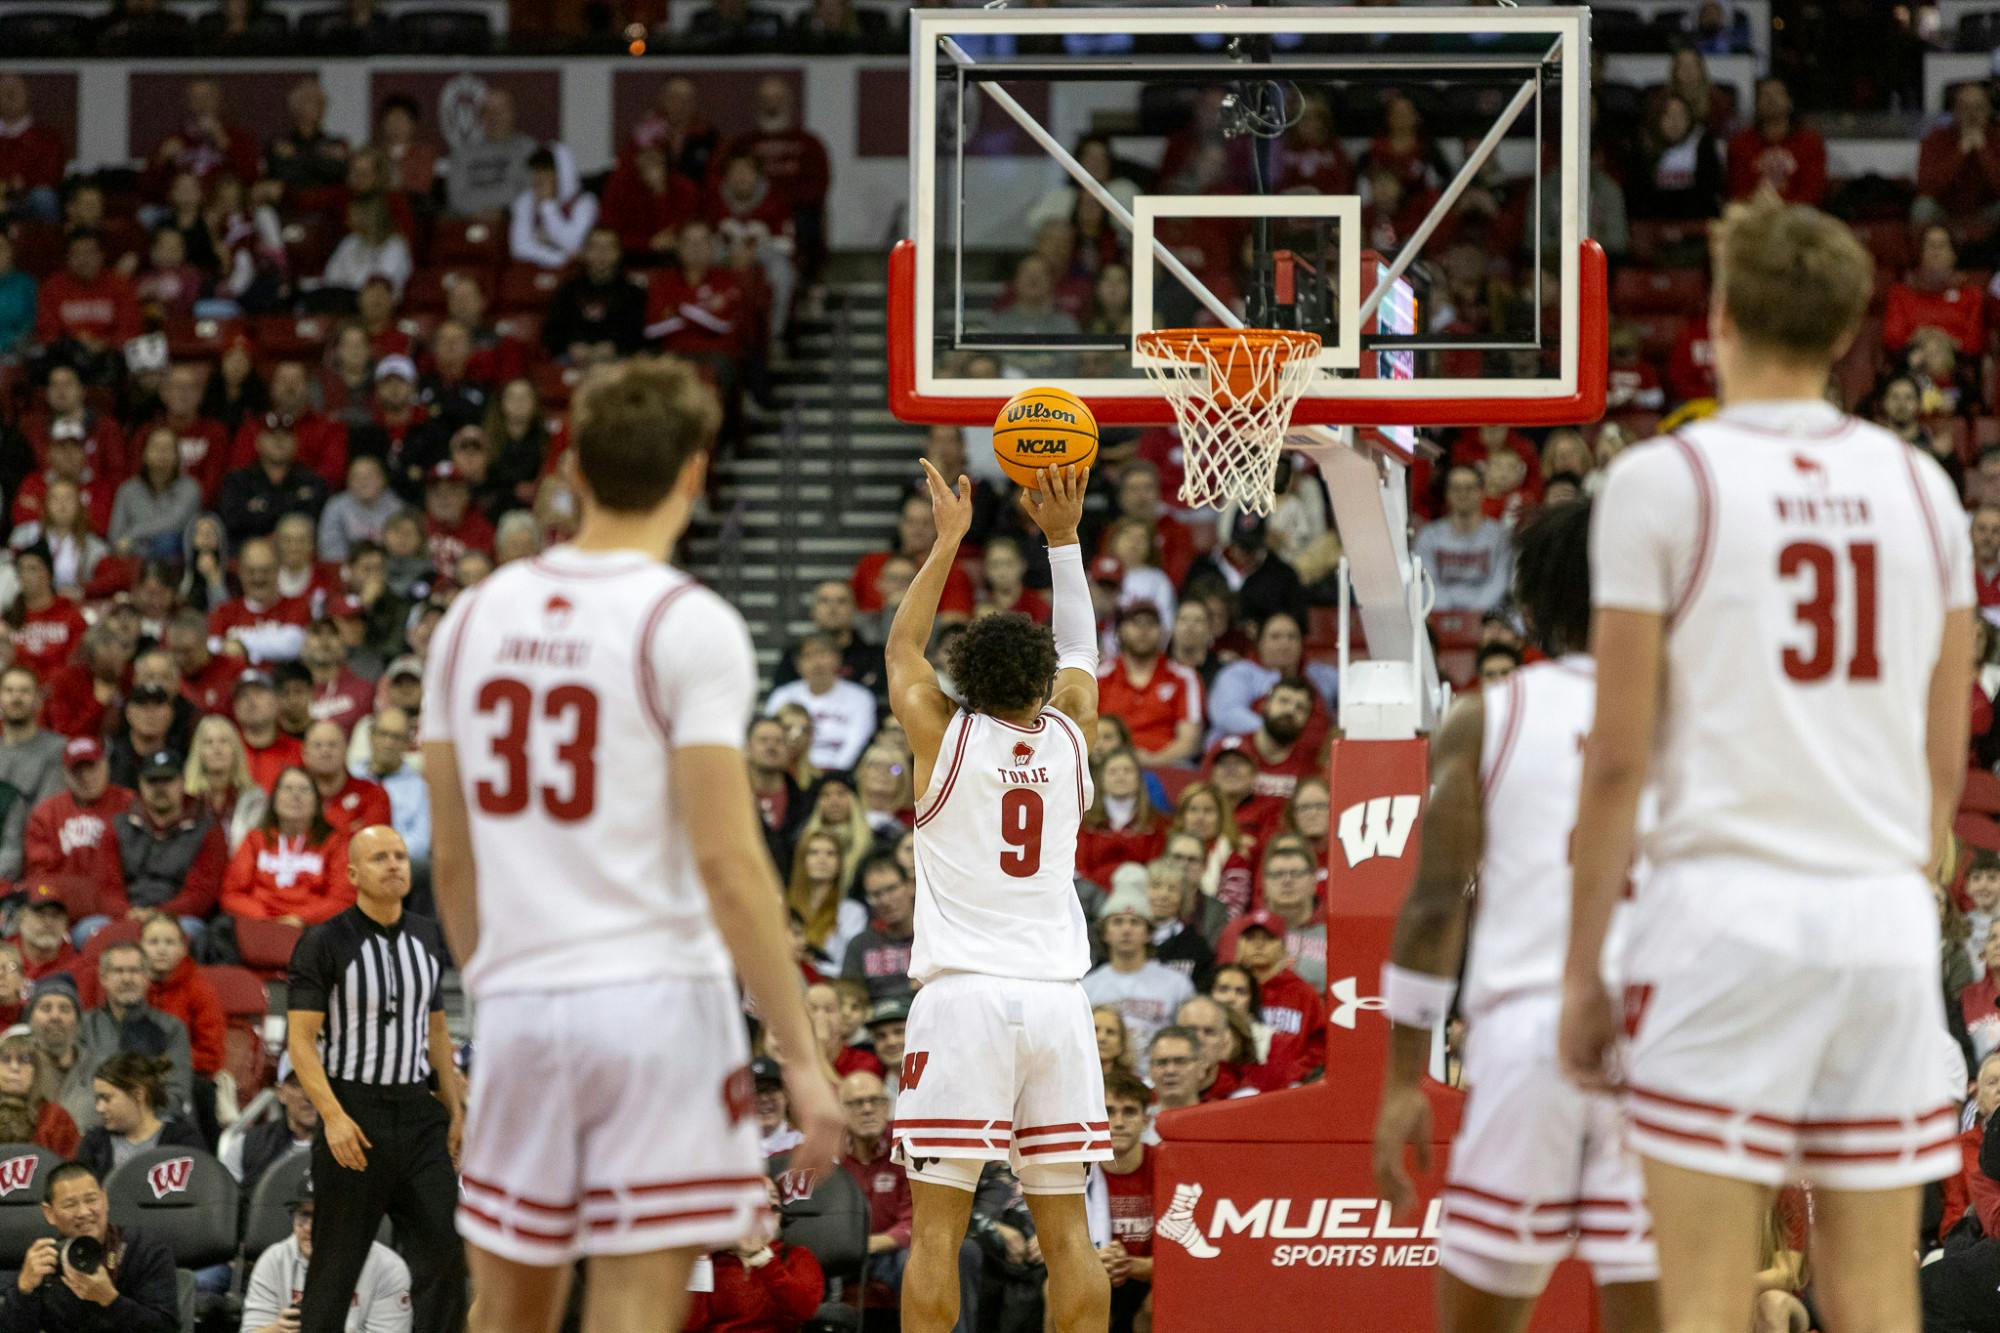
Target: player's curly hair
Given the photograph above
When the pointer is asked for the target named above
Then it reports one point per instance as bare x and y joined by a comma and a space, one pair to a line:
1552, 577
1002, 663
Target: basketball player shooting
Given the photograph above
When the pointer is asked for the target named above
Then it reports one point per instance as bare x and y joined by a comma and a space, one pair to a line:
1000, 1062
599, 865
1783, 633
1539, 1170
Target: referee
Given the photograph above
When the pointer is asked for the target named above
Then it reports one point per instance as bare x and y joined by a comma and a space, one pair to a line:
366, 1035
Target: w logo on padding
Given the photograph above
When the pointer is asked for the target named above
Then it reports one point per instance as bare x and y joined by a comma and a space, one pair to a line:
170, 1176
1378, 827
17, 1173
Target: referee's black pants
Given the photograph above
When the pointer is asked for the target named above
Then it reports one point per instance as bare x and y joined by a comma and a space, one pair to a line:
411, 1181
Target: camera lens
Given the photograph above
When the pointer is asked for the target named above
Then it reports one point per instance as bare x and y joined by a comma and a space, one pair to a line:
81, 1254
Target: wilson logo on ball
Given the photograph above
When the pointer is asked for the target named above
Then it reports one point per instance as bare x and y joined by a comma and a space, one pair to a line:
1038, 412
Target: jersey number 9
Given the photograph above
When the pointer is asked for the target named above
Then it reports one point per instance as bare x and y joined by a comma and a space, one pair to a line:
1021, 831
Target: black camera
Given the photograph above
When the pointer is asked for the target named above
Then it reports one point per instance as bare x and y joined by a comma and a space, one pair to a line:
82, 1255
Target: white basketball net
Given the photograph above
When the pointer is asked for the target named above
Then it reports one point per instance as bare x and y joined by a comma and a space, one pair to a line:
1230, 439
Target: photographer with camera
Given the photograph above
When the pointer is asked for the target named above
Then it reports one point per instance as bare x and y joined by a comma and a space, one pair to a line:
93, 1277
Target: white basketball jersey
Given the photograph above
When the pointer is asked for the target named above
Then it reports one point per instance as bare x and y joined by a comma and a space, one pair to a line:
1531, 765
996, 851
563, 682
1804, 562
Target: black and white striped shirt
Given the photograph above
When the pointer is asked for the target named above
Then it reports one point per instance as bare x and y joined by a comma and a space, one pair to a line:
378, 987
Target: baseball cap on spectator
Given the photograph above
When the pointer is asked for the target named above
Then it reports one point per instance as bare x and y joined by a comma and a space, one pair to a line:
1233, 747
253, 680
47, 893
55, 983
302, 1193
345, 607
446, 470
146, 353
289, 673
764, 1072
397, 365
409, 664
1127, 899
82, 750
1107, 569
1262, 919
161, 764
149, 694
894, 1009
1137, 607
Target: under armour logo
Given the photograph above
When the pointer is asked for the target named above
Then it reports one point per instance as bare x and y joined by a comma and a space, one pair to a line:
1348, 1001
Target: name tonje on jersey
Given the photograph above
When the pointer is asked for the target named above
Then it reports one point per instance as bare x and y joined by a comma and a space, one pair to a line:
1020, 774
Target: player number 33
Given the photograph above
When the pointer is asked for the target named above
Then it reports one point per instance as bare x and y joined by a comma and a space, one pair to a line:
572, 709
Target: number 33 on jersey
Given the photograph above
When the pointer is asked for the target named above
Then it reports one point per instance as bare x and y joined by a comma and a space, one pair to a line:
563, 684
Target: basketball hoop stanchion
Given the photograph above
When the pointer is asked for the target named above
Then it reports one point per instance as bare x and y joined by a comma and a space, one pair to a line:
1232, 392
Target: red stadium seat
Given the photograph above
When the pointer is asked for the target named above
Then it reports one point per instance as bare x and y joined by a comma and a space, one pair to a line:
285, 338
241, 993
266, 946
200, 339
1660, 291
455, 241
309, 242
523, 325
429, 287
525, 287
1982, 793
38, 248
1977, 831
246, 1003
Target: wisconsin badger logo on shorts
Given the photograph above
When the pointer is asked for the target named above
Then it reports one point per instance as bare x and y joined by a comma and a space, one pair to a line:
170, 1176
739, 1094
17, 1173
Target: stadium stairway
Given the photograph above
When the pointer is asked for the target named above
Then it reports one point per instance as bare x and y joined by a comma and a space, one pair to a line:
816, 485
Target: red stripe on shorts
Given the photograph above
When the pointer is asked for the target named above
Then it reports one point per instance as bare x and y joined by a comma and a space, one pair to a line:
661, 1186
1667, 1131
1522, 1204
661, 1219
559, 1209
525, 1233
1074, 1145
1878, 1155
1070, 1128
1512, 1233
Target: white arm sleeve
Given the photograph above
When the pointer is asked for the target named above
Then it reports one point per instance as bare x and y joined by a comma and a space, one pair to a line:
1072, 619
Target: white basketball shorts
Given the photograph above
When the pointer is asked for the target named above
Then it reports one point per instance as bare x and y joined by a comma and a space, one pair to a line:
1782, 1027
1001, 1069
612, 1120
1539, 1170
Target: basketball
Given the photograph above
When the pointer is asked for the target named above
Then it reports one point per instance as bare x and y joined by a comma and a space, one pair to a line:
1043, 427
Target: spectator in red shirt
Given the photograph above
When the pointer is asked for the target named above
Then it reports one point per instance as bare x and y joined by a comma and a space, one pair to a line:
178, 987
66, 414
87, 306
1275, 747
1158, 700
452, 524
203, 443
1128, 1181
265, 624
46, 628
71, 834
794, 161
338, 694
1958, 163
1986, 554
205, 144
1204, 814
882, 1181
695, 309
1295, 1011
1233, 768
322, 442
646, 203
1935, 293
1121, 824
1778, 151
207, 679
292, 867
44, 926
914, 534
32, 156
349, 803
761, 1285
81, 694
268, 750
67, 509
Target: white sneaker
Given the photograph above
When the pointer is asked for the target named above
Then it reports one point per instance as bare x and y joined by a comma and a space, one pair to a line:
1177, 1224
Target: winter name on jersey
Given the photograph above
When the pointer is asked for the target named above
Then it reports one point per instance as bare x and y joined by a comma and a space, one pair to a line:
1813, 507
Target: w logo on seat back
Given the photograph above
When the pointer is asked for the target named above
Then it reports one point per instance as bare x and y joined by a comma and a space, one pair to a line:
170, 1176
17, 1173
1377, 827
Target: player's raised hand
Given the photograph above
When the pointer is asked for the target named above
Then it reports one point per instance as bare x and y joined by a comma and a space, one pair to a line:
1404, 1122
1586, 1041
1057, 506
951, 507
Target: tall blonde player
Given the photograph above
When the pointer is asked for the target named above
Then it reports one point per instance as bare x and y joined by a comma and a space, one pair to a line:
598, 865
1000, 1060
1783, 636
